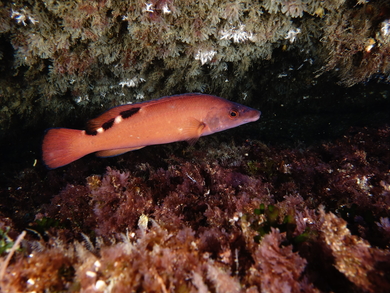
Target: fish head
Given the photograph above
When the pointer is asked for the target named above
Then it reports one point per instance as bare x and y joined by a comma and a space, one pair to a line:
229, 115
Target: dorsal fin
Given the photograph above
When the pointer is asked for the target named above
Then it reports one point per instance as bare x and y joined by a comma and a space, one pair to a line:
108, 118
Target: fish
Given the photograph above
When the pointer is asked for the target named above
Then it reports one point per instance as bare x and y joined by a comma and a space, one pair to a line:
124, 128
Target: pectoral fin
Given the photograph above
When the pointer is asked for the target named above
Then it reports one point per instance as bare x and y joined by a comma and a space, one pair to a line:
115, 152
193, 130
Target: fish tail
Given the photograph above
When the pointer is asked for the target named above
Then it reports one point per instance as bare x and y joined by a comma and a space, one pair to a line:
62, 146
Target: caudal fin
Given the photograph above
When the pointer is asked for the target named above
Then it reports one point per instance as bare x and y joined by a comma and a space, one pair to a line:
62, 146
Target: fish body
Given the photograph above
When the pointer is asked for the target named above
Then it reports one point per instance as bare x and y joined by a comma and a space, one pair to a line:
130, 127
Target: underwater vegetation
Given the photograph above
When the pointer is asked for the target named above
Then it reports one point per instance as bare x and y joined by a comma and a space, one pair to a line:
91, 55
219, 218
237, 216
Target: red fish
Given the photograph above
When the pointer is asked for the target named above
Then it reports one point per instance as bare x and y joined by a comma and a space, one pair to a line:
131, 127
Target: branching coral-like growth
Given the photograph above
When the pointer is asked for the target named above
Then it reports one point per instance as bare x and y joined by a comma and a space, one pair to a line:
293, 8
89, 48
359, 45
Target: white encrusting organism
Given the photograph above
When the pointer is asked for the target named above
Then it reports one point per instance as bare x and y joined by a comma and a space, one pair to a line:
205, 56
149, 7
385, 29
165, 9
131, 82
238, 35
22, 16
292, 34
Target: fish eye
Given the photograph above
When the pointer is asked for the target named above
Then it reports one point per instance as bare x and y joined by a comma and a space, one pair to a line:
233, 113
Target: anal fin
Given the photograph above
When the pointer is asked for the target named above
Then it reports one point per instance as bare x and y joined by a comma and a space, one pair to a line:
115, 152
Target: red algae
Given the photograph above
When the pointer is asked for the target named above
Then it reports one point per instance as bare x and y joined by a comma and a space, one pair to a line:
190, 222
280, 268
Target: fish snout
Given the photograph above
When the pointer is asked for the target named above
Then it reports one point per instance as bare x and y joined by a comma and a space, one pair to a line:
252, 115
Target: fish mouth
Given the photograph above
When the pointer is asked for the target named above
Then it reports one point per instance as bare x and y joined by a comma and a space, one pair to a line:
253, 115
